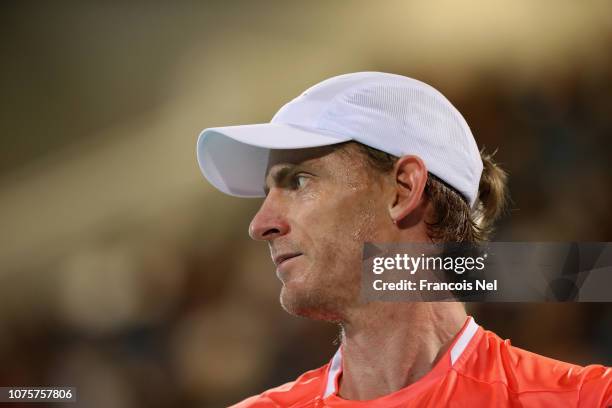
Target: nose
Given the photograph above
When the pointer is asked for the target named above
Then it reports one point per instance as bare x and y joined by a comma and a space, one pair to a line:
270, 221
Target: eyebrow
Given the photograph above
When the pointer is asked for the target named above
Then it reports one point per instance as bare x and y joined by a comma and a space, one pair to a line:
279, 175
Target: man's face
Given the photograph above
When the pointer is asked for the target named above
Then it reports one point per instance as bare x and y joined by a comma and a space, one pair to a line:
322, 205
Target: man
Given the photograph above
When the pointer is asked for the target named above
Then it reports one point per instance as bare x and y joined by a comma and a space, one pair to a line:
375, 157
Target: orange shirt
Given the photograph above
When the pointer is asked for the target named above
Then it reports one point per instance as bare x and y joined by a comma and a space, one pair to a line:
478, 370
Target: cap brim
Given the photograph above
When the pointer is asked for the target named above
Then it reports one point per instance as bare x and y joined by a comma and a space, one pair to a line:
234, 159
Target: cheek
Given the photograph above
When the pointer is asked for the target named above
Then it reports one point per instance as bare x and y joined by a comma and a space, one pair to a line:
359, 218
336, 229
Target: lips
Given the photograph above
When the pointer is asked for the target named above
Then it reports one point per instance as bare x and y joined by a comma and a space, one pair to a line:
279, 259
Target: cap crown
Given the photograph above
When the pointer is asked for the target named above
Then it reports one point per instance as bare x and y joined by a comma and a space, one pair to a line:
395, 114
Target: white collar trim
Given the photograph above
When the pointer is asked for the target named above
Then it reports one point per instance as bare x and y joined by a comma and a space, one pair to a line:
336, 363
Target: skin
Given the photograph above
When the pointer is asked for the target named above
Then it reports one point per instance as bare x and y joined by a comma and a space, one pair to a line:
322, 204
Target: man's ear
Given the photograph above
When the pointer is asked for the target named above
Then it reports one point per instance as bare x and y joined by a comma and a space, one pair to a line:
410, 179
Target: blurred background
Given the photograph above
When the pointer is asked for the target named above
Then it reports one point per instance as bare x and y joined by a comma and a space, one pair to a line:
123, 273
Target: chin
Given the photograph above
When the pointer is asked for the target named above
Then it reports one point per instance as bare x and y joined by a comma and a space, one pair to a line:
310, 304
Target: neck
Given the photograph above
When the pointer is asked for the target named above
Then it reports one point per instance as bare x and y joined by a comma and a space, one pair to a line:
389, 346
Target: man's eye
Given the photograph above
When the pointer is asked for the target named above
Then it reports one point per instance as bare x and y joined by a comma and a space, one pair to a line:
300, 181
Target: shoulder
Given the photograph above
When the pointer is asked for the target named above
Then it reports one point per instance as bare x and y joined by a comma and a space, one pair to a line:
305, 388
526, 375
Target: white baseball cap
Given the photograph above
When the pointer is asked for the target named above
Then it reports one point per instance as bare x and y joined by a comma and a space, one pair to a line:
392, 113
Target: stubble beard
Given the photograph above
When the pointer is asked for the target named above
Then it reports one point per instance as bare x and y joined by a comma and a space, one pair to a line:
312, 305
326, 298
